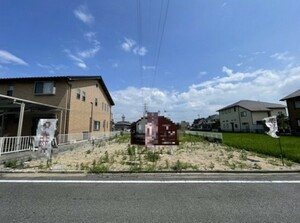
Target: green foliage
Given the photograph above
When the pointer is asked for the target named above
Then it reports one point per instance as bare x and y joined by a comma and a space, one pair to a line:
98, 169
152, 157
104, 158
167, 166
179, 166
123, 138
131, 150
243, 155
84, 166
184, 138
11, 163
264, 144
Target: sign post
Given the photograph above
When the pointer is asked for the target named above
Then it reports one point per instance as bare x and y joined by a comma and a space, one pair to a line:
271, 123
45, 135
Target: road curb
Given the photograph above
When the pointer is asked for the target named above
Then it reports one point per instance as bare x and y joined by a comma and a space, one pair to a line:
16, 171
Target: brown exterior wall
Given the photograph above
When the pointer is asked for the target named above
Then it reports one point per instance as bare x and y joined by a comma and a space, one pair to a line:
294, 113
77, 119
82, 111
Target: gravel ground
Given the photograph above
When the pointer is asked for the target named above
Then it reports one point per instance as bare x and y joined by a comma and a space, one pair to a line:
114, 156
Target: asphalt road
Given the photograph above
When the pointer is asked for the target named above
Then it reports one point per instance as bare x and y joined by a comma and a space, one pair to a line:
199, 198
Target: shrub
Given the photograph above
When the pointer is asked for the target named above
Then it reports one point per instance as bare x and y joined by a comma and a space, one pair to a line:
183, 166
98, 169
11, 163
152, 156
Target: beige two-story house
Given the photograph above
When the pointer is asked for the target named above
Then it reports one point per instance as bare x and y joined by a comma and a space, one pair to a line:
247, 115
80, 103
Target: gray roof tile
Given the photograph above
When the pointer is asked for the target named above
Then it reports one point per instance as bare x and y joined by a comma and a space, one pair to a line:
254, 105
292, 95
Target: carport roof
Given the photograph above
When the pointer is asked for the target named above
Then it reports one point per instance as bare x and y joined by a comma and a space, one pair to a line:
8, 103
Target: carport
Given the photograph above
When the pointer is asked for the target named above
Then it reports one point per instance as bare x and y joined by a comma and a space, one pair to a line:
17, 108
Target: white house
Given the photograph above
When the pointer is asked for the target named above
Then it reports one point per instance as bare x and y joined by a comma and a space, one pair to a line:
246, 115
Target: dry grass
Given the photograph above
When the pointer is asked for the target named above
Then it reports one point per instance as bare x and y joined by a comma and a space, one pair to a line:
118, 155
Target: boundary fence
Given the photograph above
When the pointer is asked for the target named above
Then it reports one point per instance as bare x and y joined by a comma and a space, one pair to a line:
28, 143
217, 136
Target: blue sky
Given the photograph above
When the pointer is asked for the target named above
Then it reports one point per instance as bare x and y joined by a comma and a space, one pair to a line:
186, 59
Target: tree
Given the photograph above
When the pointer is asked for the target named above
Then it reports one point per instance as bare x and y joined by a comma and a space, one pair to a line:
282, 121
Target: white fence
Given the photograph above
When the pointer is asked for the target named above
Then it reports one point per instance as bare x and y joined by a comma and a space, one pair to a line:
27, 143
16, 144
211, 135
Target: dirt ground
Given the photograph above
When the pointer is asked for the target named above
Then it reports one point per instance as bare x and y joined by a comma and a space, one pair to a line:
114, 156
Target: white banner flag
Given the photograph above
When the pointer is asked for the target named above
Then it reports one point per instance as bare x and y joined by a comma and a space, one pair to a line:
271, 122
45, 134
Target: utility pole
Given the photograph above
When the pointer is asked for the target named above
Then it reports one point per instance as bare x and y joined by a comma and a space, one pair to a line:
145, 110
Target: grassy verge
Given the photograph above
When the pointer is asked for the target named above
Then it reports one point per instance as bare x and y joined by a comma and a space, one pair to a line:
265, 144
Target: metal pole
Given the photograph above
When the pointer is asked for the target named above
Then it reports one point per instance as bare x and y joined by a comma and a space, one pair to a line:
20, 125
281, 153
21, 119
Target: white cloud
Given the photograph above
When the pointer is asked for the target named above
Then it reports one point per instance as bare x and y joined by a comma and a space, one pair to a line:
207, 97
142, 51
78, 61
148, 67
259, 52
128, 44
51, 68
282, 56
90, 37
8, 58
83, 14
81, 55
115, 65
89, 52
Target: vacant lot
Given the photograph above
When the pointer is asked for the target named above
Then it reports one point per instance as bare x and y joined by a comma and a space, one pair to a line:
192, 154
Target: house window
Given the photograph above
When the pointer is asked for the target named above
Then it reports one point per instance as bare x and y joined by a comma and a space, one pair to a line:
297, 104
102, 106
83, 96
44, 87
96, 101
10, 90
298, 122
96, 126
243, 114
78, 94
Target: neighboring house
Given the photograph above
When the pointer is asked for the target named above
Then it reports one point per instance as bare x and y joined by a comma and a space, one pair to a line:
293, 105
80, 103
247, 116
211, 123
154, 130
122, 125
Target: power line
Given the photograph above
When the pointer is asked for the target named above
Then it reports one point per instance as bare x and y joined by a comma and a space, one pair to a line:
157, 55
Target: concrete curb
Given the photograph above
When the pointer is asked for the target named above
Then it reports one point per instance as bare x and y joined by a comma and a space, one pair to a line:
16, 171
